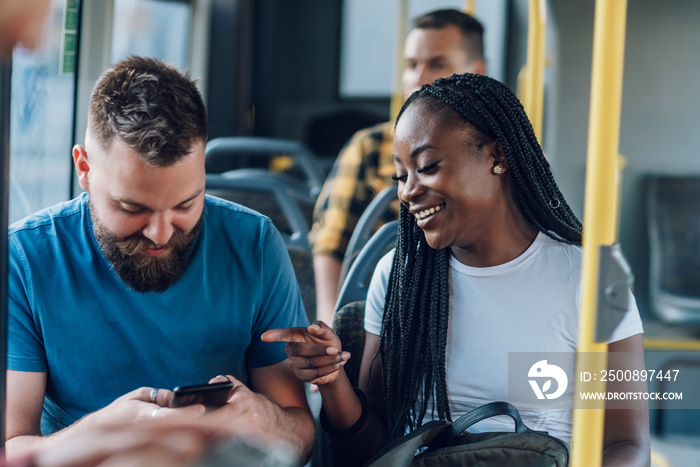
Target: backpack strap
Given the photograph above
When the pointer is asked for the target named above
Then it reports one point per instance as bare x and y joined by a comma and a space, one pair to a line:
492, 409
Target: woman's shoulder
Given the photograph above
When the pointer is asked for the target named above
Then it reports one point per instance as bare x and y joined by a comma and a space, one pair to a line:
380, 276
552, 245
384, 263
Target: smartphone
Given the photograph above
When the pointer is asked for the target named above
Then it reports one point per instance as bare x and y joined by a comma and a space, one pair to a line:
210, 395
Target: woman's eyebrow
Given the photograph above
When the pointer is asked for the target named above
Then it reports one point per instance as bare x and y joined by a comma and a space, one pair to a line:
421, 148
416, 151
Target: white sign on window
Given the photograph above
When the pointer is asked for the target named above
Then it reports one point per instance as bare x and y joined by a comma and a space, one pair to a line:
369, 33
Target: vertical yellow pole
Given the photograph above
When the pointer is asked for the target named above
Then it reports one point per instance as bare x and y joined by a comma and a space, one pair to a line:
397, 97
600, 210
534, 84
469, 7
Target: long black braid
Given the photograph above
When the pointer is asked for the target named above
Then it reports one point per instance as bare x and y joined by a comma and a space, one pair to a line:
414, 328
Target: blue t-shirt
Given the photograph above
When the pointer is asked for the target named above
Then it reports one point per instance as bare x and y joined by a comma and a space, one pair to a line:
71, 316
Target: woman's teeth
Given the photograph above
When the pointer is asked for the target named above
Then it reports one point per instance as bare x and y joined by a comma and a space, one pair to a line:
426, 212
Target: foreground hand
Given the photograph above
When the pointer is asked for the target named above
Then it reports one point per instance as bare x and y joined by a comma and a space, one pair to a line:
171, 442
165, 444
179, 437
137, 406
245, 411
315, 353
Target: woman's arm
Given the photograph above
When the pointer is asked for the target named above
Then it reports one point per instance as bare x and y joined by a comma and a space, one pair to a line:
372, 435
626, 436
315, 354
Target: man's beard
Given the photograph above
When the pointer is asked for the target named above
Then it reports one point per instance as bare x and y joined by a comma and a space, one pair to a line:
141, 272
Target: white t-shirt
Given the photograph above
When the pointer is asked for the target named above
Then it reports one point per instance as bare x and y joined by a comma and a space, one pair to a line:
530, 304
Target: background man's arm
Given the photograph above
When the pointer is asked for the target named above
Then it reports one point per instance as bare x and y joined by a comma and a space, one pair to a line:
327, 273
339, 206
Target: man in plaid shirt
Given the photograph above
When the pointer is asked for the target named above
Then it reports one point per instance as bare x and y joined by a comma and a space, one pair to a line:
441, 43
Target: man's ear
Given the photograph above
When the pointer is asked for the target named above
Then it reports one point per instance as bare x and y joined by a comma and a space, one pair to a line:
477, 67
82, 166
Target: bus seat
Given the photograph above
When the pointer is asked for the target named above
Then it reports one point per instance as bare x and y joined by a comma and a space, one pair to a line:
277, 197
348, 324
303, 265
240, 152
673, 207
284, 200
356, 283
348, 320
377, 210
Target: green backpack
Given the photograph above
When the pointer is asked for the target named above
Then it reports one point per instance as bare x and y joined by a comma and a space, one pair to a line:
448, 446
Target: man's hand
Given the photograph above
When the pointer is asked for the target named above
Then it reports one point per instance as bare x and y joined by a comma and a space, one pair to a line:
315, 353
245, 411
251, 414
25, 400
164, 444
143, 405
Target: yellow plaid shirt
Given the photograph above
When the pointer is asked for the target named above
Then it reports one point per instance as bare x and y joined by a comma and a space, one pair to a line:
363, 168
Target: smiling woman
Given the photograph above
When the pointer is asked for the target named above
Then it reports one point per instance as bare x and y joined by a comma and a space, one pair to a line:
483, 231
449, 152
440, 165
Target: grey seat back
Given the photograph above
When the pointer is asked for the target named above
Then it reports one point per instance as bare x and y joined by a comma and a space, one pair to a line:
674, 240
356, 284
276, 196
348, 322
239, 152
375, 211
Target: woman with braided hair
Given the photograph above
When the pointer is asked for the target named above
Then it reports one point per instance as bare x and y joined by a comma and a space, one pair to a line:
487, 262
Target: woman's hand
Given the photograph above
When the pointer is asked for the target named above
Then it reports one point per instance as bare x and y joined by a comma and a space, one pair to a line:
315, 353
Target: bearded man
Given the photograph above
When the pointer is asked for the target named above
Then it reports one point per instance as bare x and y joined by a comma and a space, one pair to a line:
143, 283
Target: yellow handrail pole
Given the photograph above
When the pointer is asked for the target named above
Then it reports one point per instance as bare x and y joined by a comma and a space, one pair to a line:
469, 7
397, 97
534, 84
600, 208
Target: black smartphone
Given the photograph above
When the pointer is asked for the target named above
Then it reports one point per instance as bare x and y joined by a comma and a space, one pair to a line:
210, 395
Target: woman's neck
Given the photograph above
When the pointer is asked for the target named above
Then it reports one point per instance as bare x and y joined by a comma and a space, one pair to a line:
499, 248
508, 236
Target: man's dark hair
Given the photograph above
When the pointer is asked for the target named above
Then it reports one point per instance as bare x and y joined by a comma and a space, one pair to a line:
152, 107
471, 28
413, 337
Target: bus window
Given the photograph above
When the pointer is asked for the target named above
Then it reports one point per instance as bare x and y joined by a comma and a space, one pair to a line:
152, 28
41, 121
368, 41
